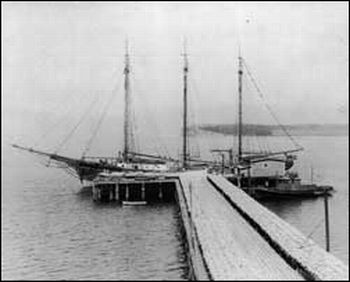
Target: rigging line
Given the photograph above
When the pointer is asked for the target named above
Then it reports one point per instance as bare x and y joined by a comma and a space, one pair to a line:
193, 114
197, 126
57, 123
193, 127
134, 128
51, 128
257, 140
154, 136
134, 132
247, 142
268, 106
263, 147
93, 103
104, 112
160, 146
133, 144
105, 109
70, 172
68, 109
132, 138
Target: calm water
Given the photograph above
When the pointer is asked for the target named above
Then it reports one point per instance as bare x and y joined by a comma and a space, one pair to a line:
51, 231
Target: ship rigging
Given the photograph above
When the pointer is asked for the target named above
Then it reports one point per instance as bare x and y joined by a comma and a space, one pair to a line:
88, 167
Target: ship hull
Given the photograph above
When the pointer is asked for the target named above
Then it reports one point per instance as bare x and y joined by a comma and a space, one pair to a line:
260, 193
274, 187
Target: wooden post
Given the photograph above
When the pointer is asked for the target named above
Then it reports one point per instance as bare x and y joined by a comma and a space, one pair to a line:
230, 154
326, 220
94, 192
160, 195
143, 191
111, 193
127, 192
117, 191
250, 188
222, 163
239, 177
98, 193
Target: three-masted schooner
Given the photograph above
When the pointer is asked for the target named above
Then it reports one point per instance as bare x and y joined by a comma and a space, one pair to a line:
238, 171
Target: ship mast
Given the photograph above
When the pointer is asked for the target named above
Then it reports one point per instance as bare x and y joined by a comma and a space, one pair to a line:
240, 74
127, 105
185, 71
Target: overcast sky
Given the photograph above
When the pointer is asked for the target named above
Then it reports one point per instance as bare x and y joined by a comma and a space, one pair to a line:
58, 57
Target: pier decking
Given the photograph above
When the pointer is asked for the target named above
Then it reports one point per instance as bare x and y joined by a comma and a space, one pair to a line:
237, 238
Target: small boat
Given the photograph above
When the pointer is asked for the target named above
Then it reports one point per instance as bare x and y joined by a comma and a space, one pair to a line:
134, 203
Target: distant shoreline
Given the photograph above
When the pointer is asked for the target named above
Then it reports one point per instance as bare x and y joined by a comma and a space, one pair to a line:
275, 130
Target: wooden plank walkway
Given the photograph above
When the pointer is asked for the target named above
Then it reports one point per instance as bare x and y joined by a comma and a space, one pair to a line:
240, 239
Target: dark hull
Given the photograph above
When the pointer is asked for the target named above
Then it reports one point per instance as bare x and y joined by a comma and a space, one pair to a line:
269, 187
260, 193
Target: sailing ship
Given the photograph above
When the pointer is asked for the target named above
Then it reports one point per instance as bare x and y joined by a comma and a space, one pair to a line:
251, 170
88, 168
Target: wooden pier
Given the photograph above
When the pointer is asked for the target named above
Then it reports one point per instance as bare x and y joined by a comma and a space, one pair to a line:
236, 238
149, 187
230, 236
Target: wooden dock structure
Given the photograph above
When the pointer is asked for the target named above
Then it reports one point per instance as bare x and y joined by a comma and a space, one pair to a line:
148, 187
230, 236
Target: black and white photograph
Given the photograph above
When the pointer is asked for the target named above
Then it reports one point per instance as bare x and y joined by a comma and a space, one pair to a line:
175, 140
